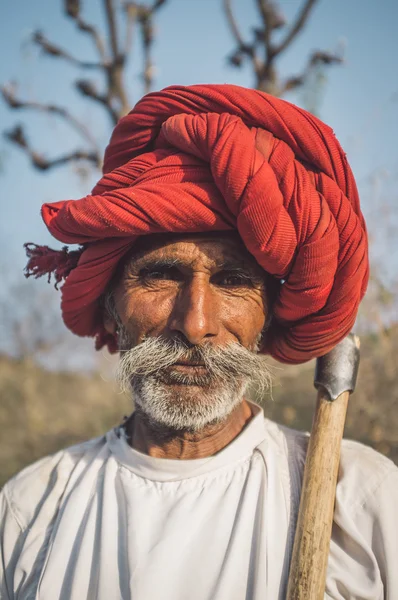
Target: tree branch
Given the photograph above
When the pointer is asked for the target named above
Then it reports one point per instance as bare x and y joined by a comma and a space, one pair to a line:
267, 77
112, 62
131, 12
116, 91
264, 63
55, 51
9, 94
143, 15
319, 57
87, 88
112, 27
147, 38
157, 4
72, 10
236, 58
17, 136
301, 20
233, 24
272, 19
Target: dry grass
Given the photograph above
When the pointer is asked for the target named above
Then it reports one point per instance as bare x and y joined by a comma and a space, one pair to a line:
42, 411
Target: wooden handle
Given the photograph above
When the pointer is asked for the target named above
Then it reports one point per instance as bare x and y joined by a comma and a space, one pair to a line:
314, 525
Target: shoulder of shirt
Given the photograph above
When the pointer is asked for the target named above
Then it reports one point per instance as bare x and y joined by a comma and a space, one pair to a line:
31, 486
362, 471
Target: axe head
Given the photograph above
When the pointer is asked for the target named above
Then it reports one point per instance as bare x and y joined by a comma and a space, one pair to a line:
337, 371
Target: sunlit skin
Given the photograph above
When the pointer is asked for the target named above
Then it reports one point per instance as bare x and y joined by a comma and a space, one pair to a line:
201, 288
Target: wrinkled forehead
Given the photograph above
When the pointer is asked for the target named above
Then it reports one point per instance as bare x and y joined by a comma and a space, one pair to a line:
215, 249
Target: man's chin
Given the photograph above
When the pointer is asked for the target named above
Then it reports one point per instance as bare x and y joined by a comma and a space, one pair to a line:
185, 406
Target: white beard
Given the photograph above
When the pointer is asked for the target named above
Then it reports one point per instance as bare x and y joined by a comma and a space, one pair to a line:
191, 401
189, 407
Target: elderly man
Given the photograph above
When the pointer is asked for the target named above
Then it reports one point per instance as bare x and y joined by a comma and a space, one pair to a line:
226, 227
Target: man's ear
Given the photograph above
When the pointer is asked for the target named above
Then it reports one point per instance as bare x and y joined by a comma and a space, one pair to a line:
110, 324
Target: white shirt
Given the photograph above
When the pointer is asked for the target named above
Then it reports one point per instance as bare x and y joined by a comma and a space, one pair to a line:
103, 521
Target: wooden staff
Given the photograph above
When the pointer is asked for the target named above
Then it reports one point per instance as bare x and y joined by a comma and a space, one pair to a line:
335, 378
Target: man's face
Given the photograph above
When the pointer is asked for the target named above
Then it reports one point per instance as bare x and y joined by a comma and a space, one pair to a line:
189, 300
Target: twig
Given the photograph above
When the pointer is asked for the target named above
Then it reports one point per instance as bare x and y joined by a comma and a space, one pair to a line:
145, 20
9, 95
272, 19
267, 77
17, 136
112, 27
243, 48
131, 12
316, 58
301, 20
143, 15
72, 10
116, 88
233, 24
111, 62
53, 50
147, 32
87, 88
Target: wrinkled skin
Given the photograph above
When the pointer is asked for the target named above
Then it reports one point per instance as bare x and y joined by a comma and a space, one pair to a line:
202, 289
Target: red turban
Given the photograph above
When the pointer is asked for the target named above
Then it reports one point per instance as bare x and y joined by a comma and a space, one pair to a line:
212, 158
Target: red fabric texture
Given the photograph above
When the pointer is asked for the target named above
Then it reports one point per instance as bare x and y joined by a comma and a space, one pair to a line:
219, 157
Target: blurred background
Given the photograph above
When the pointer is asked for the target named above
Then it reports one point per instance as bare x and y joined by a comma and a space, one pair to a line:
70, 69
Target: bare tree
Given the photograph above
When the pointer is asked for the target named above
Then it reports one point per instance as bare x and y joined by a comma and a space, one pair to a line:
113, 48
262, 51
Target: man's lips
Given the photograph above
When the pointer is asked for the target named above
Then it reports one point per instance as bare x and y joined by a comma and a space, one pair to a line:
187, 373
188, 367
187, 363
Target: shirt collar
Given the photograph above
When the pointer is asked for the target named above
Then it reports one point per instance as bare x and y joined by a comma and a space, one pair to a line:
164, 469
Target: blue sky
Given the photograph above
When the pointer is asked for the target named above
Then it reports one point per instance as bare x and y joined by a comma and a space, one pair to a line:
360, 98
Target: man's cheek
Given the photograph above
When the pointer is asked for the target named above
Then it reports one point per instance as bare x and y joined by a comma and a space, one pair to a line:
148, 317
245, 322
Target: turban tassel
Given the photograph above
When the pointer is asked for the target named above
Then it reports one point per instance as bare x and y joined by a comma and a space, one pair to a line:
216, 158
46, 261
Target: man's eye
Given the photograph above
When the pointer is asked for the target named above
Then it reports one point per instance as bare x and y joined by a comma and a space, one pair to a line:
234, 280
155, 275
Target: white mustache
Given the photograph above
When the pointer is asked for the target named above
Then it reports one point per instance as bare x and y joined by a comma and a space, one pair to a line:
156, 354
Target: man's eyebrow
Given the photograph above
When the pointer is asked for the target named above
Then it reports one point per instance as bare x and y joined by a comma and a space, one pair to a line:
234, 265
144, 262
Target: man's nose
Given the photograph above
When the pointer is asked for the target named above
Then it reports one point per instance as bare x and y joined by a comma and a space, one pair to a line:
195, 311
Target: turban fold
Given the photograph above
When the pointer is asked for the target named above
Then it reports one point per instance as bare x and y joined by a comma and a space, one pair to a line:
216, 158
